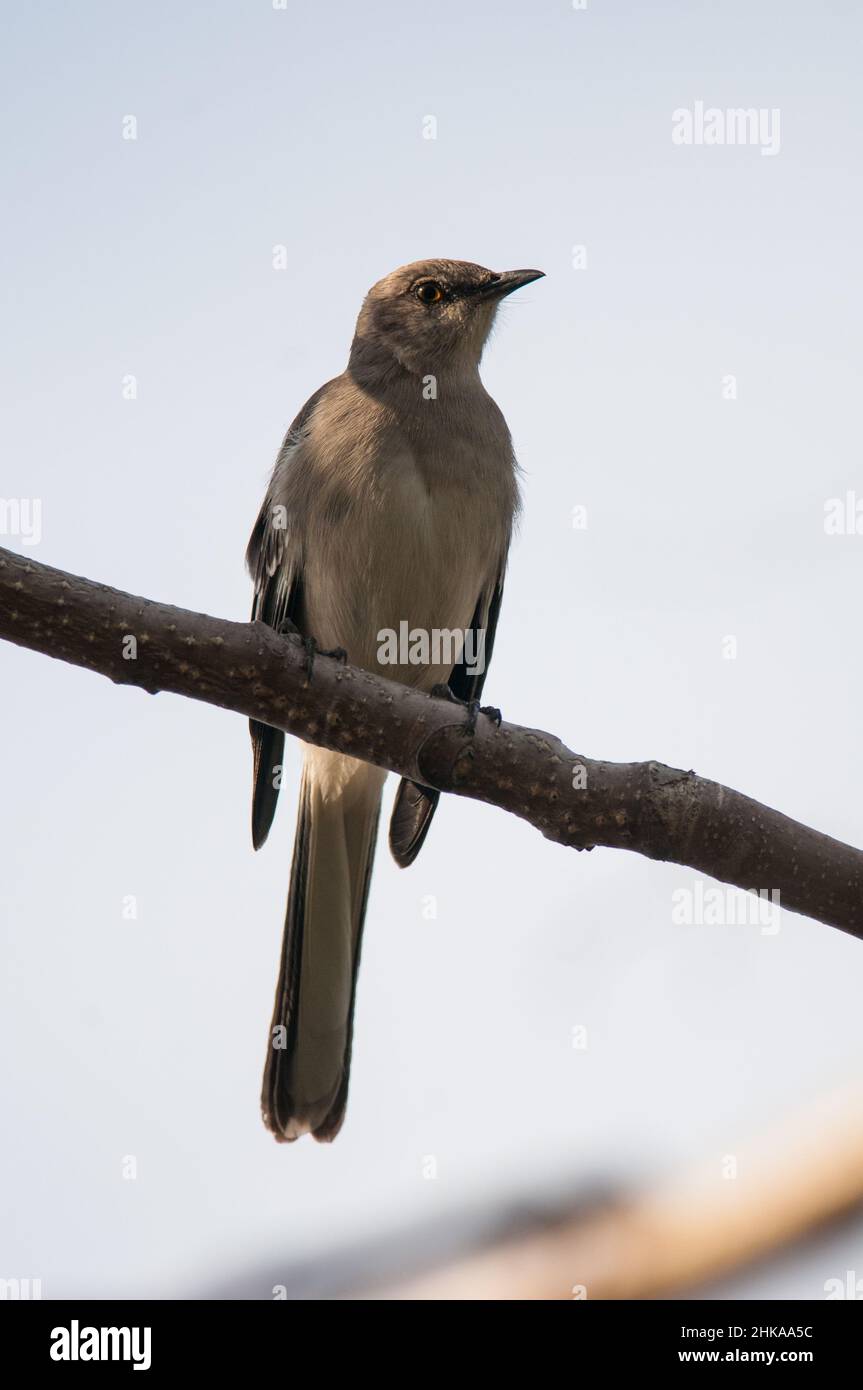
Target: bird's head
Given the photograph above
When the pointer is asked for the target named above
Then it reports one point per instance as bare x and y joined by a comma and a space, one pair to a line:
433, 314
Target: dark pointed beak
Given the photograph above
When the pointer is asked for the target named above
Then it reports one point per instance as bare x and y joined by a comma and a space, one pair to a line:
507, 281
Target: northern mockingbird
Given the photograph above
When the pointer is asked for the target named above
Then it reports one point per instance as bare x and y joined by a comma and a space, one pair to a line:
390, 510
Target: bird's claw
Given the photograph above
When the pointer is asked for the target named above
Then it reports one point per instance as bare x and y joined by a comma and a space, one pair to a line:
312, 650
473, 707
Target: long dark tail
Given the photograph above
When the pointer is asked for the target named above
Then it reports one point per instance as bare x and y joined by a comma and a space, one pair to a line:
308, 1061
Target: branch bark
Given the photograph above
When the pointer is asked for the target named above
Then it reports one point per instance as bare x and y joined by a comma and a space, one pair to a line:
661, 812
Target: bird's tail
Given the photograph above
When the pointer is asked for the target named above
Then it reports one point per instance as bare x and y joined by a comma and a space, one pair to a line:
308, 1061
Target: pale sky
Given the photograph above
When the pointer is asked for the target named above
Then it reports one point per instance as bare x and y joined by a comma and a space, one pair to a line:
153, 258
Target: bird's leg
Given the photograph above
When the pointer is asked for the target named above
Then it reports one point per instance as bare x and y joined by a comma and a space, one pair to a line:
473, 708
310, 647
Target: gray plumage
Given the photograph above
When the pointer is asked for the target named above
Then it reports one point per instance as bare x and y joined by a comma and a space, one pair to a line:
393, 499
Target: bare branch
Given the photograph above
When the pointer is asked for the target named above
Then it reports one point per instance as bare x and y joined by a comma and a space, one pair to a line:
657, 811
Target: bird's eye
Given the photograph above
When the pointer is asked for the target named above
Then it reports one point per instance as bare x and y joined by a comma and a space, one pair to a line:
429, 292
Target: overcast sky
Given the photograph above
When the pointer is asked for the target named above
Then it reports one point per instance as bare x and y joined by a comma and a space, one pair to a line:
687, 376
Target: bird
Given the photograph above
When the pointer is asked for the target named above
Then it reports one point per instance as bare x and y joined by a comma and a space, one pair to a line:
393, 499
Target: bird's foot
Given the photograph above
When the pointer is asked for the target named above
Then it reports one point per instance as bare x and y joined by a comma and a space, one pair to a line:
312, 650
472, 707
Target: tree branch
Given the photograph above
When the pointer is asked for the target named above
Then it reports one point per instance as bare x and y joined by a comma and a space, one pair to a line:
657, 811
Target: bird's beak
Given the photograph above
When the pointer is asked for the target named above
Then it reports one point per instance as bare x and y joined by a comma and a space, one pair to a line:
507, 281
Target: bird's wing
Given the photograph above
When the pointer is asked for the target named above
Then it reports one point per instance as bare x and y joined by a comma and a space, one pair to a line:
463, 684
415, 804
275, 563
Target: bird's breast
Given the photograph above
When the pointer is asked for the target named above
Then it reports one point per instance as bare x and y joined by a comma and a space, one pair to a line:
411, 556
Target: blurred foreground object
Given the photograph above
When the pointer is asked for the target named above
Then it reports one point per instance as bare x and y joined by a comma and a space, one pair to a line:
681, 1235
663, 1242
